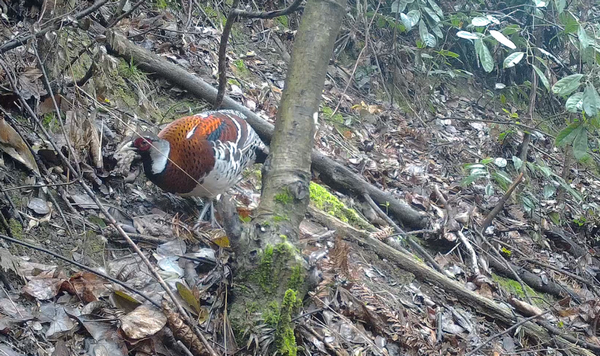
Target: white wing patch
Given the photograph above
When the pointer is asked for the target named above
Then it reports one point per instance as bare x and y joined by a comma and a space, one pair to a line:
191, 133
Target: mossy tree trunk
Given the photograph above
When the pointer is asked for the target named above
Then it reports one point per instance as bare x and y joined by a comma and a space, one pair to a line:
270, 273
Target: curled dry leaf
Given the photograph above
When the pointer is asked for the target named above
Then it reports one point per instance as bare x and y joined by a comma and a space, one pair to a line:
183, 332
14, 145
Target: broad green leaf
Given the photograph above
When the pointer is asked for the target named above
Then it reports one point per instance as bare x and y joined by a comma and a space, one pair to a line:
568, 188
414, 16
584, 39
540, 3
468, 35
528, 203
512, 59
437, 31
493, 19
486, 161
567, 135
186, 294
549, 190
546, 171
569, 21
474, 175
406, 22
432, 14
447, 53
502, 39
502, 178
485, 57
510, 30
436, 8
480, 21
398, 6
591, 100
580, 143
517, 162
560, 5
542, 77
426, 37
567, 85
575, 103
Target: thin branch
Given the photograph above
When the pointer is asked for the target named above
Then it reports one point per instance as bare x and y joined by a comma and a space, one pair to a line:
78, 16
122, 16
269, 14
222, 54
500, 205
79, 265
106, 213
234, 14
495, 336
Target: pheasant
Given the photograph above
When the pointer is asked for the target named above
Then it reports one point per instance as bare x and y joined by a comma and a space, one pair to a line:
201, 155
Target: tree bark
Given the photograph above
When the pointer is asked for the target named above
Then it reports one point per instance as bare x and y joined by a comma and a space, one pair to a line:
269, 267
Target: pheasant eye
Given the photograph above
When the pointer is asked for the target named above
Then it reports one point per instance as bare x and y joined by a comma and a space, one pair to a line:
142, 144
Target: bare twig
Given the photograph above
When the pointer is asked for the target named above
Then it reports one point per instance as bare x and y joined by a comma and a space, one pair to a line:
234, 14
122, 16
351, 79
495, 336
78, 16
106, 213
408, 238
500, 205
223, 52
471, 250
566, 273
57, 109
79, 265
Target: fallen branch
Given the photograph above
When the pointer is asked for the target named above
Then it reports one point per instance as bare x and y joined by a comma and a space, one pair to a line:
330, 172
466, 297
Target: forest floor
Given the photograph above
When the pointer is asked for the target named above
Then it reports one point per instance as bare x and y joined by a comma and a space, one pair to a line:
445, 146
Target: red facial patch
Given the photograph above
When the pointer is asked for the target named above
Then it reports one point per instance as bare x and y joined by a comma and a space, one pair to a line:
142, 144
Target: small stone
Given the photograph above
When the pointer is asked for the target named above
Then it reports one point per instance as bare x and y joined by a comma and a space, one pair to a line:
39, 206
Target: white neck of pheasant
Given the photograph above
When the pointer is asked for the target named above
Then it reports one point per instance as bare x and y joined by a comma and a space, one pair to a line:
159, 154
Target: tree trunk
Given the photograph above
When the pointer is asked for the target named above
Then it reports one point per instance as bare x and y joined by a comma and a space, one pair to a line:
270, 271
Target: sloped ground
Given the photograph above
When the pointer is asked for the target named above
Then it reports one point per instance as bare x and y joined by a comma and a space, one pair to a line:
362, 305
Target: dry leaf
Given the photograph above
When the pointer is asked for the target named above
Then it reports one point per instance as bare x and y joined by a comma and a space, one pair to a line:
13, 145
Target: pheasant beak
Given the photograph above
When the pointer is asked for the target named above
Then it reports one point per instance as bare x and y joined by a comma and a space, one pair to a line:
127, 148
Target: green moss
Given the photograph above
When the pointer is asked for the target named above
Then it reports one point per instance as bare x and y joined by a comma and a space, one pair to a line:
296, 280
47, 120
283, 21
240, 68
265, 268
15, 229
130, 71
279, 218
284, 335
336, 119
277, 263
271, 315
323, 200
284, 197
514, 287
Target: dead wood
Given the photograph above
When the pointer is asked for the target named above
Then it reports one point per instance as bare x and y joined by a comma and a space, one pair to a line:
330, 172
426, 274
